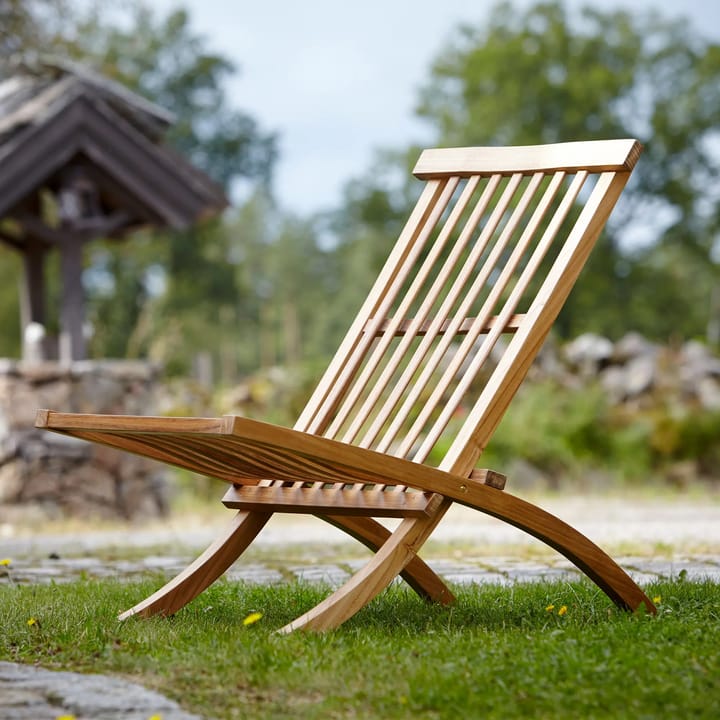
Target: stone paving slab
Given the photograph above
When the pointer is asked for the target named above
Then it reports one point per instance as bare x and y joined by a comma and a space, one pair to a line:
32, 693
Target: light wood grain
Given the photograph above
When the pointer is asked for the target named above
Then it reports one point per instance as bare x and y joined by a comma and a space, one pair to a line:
371, 580
594, 156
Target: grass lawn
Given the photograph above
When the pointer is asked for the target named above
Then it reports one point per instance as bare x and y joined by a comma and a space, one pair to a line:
540, 650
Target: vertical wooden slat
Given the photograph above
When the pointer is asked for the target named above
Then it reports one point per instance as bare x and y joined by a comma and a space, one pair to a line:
379, 352
441, 317
313, 417
387, 296
513, 366
431, 366
507, 311
398, 354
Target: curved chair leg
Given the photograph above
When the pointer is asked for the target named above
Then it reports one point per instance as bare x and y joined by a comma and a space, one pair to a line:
245, 526
398, 550
568, 541
417, 574
412, 533
205, 569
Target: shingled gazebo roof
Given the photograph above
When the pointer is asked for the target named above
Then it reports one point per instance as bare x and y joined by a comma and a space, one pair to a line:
94, 148
62, 113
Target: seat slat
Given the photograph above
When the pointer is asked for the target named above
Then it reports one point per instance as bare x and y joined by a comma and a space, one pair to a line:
329, 501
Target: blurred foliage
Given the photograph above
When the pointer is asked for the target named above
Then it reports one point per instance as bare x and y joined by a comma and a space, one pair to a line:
28, 27
562, 432
260, 289
10, 271
551, 74
569, 434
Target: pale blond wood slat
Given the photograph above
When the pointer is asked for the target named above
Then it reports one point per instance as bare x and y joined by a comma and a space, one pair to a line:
172, 449
382, 347
496, 396
347, 387
55, 420
334, 383
440, 319
478, 285
443, 315
508, 310
346, 402
425, 203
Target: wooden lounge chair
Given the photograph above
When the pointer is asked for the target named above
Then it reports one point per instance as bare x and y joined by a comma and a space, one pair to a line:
398, 422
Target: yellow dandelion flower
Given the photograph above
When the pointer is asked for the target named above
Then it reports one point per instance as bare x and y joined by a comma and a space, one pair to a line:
562, 610
155, 717
252, 618
65, 717
5, 562
550, 608
32, 621
657, 599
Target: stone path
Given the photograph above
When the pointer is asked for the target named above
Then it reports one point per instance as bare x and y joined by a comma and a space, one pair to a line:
465, 569
667, 539
30, 693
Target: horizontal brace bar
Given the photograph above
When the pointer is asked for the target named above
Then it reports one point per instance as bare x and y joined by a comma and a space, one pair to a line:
511, 326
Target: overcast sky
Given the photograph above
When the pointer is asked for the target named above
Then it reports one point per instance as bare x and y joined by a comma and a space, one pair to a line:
338, 79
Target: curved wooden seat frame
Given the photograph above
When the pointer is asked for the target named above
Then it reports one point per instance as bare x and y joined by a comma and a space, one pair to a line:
418, 386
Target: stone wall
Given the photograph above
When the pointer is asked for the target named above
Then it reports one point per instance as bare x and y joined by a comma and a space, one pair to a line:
52, 475
636, 372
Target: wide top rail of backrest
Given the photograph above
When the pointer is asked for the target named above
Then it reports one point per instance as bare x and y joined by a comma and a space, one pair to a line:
492, 249
592, 156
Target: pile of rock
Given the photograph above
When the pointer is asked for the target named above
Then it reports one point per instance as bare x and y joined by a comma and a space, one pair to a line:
635, 370
53, 475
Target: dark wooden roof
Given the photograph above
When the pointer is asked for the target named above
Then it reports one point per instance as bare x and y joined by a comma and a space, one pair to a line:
64, 115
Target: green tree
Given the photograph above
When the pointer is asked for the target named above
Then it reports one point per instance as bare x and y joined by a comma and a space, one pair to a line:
288, 284
549, 75
27, 27
162, 58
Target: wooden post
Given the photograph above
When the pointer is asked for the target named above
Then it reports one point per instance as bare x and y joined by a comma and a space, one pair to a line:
72, 311
32, 299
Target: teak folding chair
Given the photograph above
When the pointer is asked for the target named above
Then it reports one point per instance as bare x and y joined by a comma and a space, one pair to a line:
398, 422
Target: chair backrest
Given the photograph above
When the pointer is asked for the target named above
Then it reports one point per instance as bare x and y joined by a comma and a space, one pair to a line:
494, 245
